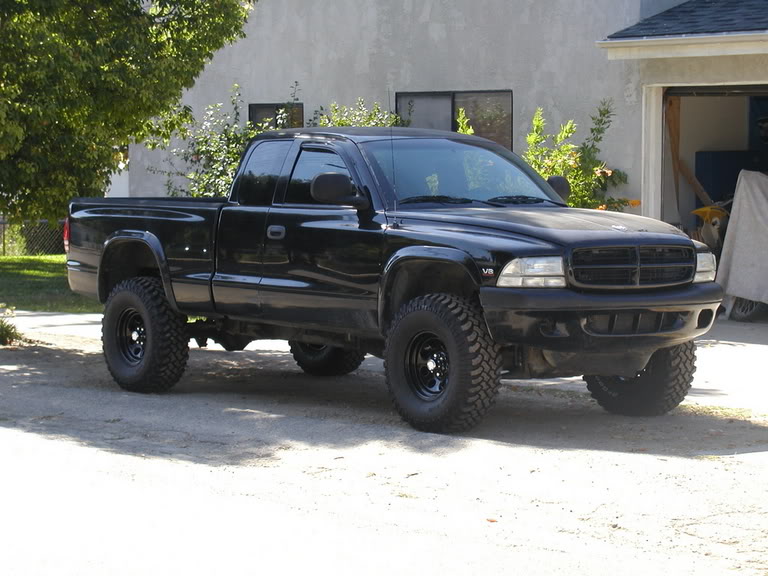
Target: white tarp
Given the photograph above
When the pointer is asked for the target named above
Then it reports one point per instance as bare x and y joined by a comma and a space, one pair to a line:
743, 270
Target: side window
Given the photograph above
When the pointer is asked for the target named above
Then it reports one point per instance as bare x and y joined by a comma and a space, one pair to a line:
310, 164
258, 179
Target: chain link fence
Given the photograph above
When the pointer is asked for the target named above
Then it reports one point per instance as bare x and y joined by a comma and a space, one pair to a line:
31, 238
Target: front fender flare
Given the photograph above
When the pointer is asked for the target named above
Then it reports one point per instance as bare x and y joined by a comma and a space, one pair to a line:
429, 254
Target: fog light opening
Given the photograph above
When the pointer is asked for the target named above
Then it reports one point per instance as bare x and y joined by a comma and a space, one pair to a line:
705, 318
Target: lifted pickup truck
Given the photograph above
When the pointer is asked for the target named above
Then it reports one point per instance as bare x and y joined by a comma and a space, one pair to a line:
444, 254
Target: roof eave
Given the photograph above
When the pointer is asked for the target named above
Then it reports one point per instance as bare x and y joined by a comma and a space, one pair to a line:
731, 44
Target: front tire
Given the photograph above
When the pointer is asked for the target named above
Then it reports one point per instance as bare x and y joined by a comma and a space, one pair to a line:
322, 360
443, 369
657, 389
145, 341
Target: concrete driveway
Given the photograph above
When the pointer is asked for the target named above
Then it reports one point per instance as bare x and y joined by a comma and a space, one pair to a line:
731, 361
250, 466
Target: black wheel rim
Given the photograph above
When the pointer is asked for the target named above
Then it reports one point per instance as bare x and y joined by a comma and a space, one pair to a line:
131, 336
427, 366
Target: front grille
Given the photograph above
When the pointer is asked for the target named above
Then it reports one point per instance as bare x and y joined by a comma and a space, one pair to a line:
632, 267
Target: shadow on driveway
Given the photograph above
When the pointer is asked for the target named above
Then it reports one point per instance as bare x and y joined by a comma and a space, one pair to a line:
232, 408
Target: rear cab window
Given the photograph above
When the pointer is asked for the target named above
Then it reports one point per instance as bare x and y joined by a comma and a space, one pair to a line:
258, 179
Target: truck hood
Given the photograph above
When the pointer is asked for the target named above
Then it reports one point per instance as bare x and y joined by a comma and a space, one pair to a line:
557, 225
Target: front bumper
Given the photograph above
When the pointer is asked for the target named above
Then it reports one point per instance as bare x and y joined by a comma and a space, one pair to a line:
566, 321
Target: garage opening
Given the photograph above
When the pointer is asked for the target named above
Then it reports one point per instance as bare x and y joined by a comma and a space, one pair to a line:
711, 134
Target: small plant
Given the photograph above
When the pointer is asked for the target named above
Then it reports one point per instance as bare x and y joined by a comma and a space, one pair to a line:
8, 332
13, 242
463, 123
357, 115
557, 155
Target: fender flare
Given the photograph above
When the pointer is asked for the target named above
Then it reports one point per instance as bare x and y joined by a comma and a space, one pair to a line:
429, 254
121, 237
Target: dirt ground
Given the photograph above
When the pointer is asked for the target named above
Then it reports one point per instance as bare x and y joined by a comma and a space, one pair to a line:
250, 466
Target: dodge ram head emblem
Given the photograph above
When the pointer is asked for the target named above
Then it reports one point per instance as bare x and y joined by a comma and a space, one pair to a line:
619, 227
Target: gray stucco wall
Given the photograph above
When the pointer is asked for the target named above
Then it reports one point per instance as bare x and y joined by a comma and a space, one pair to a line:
651, 7
341, 49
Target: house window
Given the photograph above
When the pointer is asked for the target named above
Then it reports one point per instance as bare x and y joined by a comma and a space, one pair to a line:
489, 112
258, 113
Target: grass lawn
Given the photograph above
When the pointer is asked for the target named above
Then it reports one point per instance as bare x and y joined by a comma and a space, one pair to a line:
39, 283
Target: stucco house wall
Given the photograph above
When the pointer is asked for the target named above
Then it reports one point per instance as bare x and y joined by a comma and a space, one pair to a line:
338, 50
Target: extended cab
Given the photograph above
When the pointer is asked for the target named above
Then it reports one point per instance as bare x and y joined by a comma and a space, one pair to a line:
444, 254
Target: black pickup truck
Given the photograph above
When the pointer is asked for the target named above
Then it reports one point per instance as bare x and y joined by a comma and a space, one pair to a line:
444, 254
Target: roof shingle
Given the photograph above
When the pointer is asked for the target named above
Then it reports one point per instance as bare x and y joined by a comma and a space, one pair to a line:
703, 17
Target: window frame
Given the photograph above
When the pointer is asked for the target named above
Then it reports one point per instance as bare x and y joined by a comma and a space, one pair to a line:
454, 110
294, 156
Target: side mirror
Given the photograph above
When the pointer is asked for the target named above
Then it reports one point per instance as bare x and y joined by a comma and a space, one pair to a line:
560, 185
335, 188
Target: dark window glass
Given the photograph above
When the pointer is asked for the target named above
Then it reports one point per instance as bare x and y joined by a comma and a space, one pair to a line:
433, 111
258, 113
489, 113
310, 164
258, 179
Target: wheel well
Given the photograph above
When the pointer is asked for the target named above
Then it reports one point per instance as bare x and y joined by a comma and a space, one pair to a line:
125, 260
420, 277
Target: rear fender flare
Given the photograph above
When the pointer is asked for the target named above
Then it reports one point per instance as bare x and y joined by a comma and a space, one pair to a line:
122, 237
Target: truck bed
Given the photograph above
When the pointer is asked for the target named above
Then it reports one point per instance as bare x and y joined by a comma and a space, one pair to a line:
181, 231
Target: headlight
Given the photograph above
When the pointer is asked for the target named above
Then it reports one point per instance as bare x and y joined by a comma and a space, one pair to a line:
706, 267
539, 272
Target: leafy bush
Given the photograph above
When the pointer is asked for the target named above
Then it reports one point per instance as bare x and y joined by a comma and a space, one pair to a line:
211, 148
357, 115
13, 243
557, 155
8, 332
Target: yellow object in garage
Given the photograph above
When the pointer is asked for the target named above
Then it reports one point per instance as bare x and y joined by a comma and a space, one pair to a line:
715, 221
707, 213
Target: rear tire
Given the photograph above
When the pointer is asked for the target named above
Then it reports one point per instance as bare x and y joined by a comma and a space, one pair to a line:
145, 341
321, 360
443, 369
657, 389
748, 310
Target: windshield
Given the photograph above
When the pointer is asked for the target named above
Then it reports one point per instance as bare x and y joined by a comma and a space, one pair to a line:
445, 171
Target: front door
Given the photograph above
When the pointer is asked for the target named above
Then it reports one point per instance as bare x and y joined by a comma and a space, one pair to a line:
322, 263
242, 225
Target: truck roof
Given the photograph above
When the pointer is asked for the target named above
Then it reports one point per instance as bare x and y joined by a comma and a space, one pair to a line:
359, 134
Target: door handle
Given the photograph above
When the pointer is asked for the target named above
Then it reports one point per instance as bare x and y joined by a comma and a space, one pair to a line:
276, 232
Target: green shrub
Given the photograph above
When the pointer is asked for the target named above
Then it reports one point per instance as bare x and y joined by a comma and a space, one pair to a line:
357, 115
13, 241
557, 155
211, 148
463, 124
8, 332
